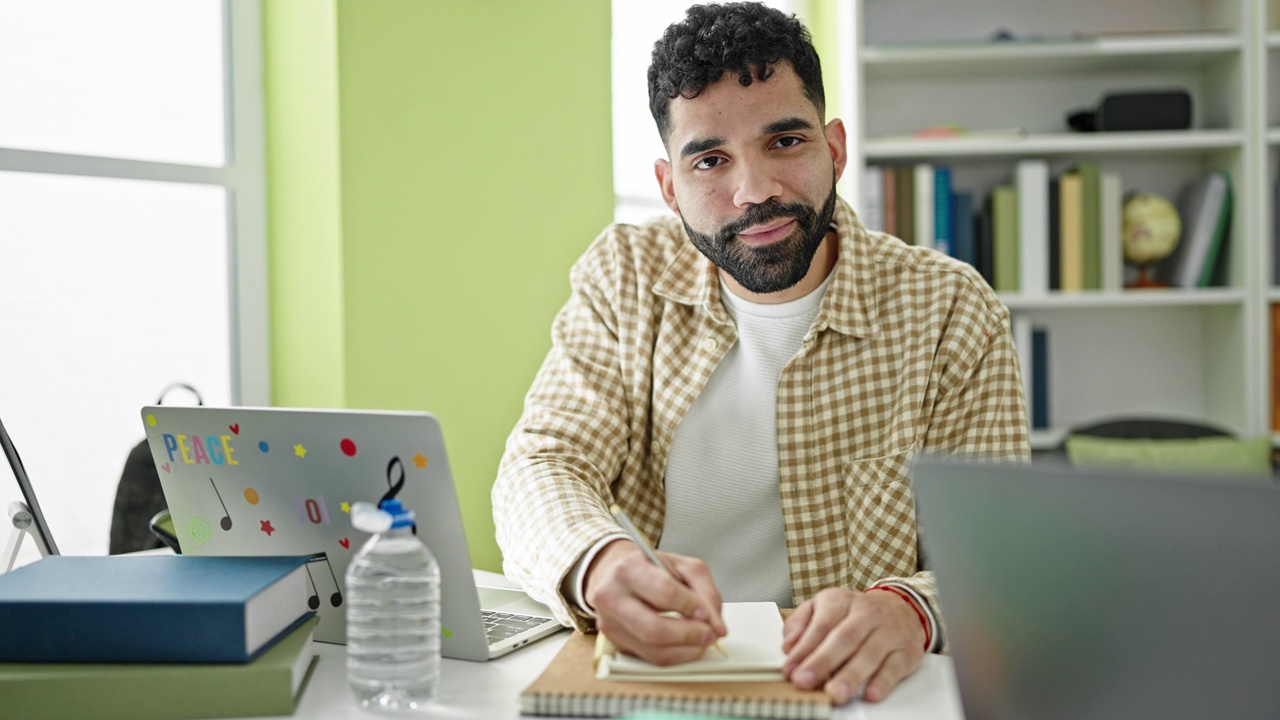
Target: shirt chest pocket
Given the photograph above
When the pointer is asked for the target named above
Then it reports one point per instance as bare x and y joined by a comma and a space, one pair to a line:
880, 518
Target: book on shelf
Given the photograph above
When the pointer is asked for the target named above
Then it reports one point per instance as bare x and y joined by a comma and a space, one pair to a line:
1031, 343
1070, 232
269, 685
1090, 226
569, 687
924, 188
1111, 220
984, 252
872, 211
963, 245
1032, 180
942, 220
752, 652
1039, 400
890, 195
1205, 208
1005, 266
1275, 232
149, 608
905, 184
1055, 233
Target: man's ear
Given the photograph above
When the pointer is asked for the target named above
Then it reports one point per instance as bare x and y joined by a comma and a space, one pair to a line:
837, 143
666, 183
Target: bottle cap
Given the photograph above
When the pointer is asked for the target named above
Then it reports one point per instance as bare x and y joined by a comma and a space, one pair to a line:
401, 516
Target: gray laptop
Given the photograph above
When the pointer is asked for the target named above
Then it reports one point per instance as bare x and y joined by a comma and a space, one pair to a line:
1071, 594
270, 481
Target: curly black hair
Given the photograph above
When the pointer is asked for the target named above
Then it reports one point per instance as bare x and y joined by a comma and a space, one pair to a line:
742, 37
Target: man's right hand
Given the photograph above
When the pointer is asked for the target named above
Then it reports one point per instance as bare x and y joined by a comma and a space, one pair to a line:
629, 595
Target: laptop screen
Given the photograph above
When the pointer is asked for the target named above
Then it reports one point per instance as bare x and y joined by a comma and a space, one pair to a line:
40, 529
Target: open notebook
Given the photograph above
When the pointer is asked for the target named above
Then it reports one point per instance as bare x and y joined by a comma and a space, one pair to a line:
710, 686
753, 653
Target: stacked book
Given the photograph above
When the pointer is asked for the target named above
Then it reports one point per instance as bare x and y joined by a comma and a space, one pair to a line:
1040, 231
154, 637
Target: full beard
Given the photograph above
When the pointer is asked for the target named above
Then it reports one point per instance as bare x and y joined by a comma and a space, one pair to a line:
778, 265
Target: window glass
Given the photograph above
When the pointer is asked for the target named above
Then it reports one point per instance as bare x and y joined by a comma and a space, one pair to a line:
138, 79
109, 290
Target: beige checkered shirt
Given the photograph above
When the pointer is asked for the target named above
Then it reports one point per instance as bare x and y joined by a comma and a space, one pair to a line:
910, 351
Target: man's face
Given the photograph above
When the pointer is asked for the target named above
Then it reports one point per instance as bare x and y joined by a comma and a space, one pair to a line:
752, 174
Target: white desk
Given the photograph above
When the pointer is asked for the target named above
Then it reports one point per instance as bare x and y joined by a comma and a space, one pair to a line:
491, 691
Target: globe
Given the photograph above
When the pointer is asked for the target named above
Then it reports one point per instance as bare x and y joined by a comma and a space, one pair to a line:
1150, 233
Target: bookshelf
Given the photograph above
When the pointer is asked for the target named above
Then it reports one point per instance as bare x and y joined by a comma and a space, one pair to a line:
1185, 352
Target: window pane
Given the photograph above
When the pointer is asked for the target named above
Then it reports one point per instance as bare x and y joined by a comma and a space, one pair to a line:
109, 291
137, 79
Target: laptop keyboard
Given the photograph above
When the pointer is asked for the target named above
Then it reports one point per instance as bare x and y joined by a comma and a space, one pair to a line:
500, 625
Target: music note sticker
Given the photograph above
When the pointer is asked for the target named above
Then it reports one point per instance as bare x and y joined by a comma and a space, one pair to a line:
225, 522
314, 510
335, 599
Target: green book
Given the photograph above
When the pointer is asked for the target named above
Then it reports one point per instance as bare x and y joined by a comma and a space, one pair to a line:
1091, 223
270, 685
1004, 240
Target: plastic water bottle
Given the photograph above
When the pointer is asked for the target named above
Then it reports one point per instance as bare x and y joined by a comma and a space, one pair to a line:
393, 613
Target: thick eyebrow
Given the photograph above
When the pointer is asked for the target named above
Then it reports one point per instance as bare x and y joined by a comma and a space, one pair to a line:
792, 123
693, 147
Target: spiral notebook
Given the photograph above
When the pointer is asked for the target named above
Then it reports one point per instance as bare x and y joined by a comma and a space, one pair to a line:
569, 687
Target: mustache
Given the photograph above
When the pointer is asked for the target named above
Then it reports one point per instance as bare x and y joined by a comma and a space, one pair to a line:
768, 210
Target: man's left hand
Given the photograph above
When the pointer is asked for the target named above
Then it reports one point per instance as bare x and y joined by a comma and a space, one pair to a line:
841, 638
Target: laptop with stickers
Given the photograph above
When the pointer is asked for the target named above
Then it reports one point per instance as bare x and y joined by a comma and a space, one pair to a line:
275, 481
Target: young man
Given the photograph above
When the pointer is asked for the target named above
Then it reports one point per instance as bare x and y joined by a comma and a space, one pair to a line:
749, 381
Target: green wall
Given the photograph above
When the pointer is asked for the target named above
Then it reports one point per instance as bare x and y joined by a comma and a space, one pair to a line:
434, 168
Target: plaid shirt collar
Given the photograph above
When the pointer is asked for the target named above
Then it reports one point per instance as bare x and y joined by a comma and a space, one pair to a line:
848, 307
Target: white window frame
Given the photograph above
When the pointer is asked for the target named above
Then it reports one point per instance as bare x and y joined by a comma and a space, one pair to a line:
244, 178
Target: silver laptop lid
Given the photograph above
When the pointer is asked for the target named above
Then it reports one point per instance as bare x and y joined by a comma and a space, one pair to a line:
273, 481
1075, 595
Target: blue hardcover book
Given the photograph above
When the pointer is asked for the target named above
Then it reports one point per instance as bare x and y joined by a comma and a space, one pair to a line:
942, 237
963, 246
1039, 379
150, 608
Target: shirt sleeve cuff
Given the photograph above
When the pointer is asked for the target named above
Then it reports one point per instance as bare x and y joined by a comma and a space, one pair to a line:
926, 609
578, 574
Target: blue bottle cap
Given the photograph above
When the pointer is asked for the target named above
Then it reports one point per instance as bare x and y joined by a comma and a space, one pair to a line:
400, 515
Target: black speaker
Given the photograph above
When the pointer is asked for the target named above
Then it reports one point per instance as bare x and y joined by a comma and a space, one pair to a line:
1152, 110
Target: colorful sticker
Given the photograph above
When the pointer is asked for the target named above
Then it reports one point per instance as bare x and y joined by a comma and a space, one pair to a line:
263, 446
199, 530
234, 428
420, 461
348, 447
151, 420
266, 527
299, 450
314, 601
225, 522
251, 496
345, 543
313, 510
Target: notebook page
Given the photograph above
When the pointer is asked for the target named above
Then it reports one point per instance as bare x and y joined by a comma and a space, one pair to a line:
753, 647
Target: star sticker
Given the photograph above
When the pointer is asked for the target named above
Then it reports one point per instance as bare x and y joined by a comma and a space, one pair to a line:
299, 450
420, 460
346, 507
266, 527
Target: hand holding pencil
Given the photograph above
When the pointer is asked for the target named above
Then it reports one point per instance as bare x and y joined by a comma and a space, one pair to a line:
650, 554
663, 608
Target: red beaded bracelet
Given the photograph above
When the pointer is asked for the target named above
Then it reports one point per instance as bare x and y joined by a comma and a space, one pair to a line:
911, 601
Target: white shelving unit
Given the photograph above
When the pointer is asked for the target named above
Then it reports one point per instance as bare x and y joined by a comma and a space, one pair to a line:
1195, 354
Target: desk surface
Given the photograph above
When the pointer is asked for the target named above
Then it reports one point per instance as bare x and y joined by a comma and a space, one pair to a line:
491, 691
